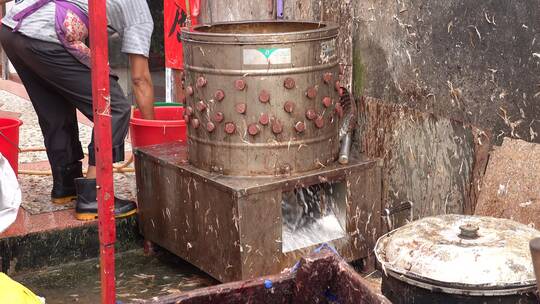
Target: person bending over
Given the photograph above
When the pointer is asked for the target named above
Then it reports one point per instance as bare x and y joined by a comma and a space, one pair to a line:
46, 42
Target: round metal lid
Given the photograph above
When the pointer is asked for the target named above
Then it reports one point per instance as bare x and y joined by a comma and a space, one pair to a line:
458, 251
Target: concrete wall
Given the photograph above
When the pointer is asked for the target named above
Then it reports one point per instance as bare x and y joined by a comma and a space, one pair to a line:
474, 61
226, 10
336, 11
463, 62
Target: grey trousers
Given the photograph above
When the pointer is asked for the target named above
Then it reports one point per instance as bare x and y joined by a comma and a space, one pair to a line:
57, 85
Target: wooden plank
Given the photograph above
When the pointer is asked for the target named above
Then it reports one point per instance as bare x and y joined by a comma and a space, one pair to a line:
428, 160
511, 185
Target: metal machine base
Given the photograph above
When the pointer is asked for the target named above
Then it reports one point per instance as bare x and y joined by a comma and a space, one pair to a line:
231, 227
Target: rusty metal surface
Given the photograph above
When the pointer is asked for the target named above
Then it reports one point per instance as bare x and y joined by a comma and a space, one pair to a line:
492, 255
230, 227
319, 278
510, 188
264, 130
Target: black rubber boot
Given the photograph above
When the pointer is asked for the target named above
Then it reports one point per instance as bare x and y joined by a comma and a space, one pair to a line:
63, 190
86, 207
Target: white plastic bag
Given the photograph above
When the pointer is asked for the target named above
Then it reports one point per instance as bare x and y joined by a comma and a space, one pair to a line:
10, 194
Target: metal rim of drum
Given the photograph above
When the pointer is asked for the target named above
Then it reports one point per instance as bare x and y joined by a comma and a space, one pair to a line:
194, 33
433, 285
445, 287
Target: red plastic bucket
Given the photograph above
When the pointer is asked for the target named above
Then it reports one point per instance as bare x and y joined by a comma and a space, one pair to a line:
9, 140
168, 126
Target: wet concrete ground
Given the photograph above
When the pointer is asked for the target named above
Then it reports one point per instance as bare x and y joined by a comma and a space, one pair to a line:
138, 277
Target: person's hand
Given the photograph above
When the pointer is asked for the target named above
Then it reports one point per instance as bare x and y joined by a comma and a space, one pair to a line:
143, 89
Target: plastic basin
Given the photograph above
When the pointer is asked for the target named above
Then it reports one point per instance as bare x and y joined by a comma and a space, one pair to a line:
168, 126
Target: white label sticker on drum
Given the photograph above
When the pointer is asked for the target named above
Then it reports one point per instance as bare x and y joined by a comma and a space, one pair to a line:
328, 51
267, 56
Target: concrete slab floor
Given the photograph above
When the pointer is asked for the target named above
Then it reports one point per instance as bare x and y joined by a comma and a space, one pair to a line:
38, 213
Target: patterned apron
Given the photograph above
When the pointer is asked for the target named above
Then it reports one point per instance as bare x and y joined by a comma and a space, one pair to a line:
71, 27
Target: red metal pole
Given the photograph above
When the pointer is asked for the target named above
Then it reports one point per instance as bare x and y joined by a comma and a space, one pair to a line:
103, 146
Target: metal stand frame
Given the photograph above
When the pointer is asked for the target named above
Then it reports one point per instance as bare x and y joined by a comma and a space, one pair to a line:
231, 227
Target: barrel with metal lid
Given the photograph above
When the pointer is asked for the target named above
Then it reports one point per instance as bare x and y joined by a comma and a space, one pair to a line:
458, 259
261, 96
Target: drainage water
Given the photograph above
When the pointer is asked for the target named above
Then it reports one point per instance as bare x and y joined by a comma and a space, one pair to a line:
137, 277
313, 215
